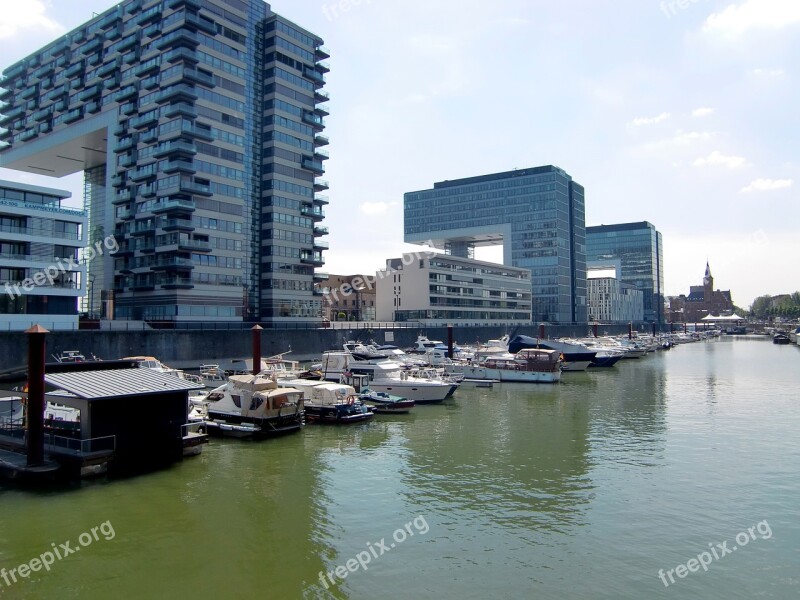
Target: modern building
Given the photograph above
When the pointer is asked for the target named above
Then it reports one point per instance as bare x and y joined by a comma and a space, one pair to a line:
537, 214
197, 125
41, 274
702, 301
610, 300
639, 248
348, 298
438, 289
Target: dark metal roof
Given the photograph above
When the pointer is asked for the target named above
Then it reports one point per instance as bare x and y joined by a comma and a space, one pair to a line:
117, 383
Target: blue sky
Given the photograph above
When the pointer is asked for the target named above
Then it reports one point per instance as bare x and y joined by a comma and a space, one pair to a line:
680, 113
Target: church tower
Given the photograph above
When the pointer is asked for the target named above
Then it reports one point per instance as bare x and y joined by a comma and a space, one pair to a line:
708, 282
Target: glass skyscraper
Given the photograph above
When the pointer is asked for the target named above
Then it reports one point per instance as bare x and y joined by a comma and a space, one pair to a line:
197, 124
639, 248
537, 214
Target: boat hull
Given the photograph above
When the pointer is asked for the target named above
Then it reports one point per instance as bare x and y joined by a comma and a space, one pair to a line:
240, 427
419, 392
508, 375
336, 413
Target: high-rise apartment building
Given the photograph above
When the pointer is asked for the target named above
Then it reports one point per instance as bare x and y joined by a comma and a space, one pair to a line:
639, 249
41, 274
198, 126
537, 214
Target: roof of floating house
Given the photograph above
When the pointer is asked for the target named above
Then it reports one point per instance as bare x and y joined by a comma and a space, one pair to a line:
722, 319
116, 383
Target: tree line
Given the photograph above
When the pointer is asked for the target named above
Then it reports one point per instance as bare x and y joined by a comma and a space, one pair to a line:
787, 306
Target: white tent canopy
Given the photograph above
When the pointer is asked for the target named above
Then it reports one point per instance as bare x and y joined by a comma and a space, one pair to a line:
729, 319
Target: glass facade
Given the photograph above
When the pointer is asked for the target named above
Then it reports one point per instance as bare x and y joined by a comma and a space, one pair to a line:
638, 247
540, 215
202, 119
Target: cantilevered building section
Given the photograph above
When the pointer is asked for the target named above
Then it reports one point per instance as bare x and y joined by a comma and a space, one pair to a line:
640, 251
198, 126
538, 216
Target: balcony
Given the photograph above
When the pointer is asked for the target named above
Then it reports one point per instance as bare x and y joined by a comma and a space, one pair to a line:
320, 276
194, 245
322, 52
315, 213
179, 91
319, 244
184, 54
312, 259
321, 96
172, 262
197, 22
143, 228
313, 165
182, 166
321, 140
176, 204
142, 174
314, 120
183, 109
323, 67
314, 76
145, 120
321, 110
320, 230
122, 196
320, 154
176, 225
320, 185
320, 199
124, 145
175, 283
179, 147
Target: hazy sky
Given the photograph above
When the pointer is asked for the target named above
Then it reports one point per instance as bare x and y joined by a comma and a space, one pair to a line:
682, 114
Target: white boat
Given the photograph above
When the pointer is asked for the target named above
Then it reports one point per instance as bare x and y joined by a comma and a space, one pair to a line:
327, 402
149, 362
385, 376
526, 366
423, 345
212, 376
250, 406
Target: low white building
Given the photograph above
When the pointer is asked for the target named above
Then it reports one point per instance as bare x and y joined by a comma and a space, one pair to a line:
41, 276
437, 289
610, 300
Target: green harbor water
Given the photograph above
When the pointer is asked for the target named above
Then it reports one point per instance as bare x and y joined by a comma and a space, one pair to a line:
580, 490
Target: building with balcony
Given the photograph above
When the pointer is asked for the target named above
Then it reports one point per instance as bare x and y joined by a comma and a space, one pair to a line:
537, 215
348, 298
610, 300
197, 125
41, 275
440, 289
639, 249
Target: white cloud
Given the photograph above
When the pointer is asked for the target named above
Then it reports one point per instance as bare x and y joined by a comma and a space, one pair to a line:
717, 159
377, 208
702, 112
682, 138
737, 19
769, 72
26, 15
639, 121
766, 185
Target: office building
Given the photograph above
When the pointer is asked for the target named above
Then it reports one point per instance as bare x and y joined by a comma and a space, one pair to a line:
41, 274
536, 214
440, 289
639, 249
610, 300
197, 125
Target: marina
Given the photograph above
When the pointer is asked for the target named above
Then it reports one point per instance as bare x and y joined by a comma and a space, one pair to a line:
613, 473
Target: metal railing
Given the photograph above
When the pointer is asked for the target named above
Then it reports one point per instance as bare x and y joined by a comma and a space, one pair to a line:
99, 444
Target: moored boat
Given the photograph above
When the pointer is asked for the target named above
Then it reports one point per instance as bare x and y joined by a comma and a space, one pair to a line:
576, 357
527, 366
781, 338
250, 406
327, 402
381, 402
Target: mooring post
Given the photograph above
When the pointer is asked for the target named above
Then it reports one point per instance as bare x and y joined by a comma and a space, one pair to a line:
35, 410
257, 348
594, 329
450, 342
630, 331
541, 331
